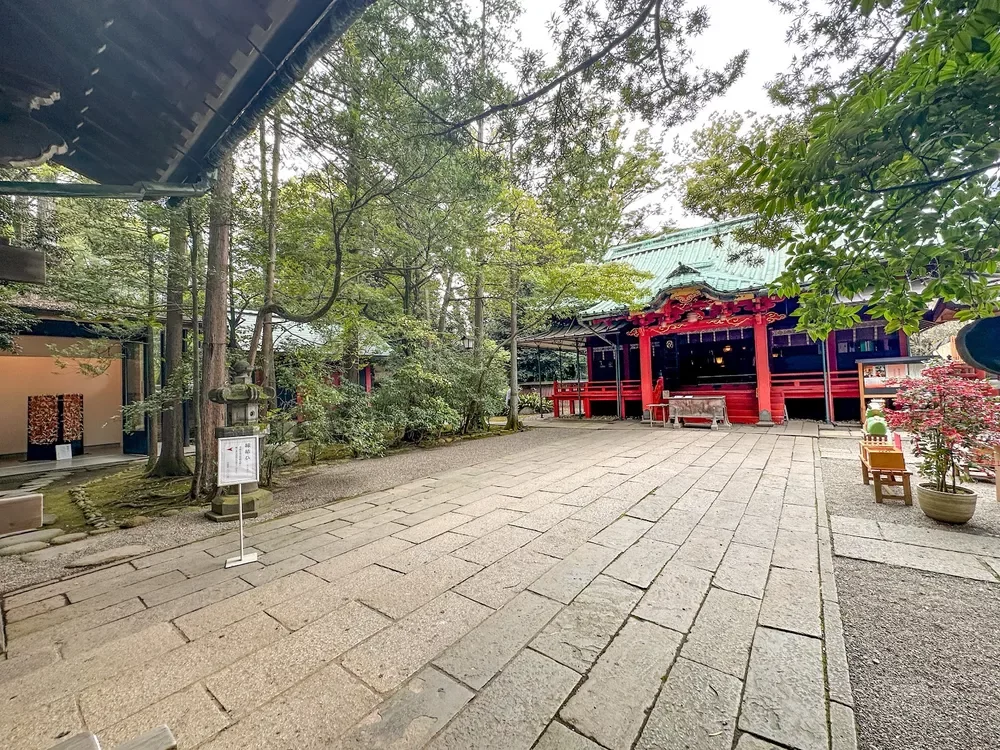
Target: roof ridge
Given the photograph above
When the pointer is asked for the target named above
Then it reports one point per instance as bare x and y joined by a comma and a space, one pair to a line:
679, 235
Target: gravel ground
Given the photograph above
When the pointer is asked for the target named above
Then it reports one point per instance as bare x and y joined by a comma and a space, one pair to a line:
924, 657
847, 495
296, 492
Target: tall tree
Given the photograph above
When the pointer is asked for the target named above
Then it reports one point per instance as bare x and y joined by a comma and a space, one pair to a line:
171, 462
215, 339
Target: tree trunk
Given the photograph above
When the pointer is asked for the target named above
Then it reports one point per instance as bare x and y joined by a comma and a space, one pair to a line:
513, 422
171, 462
267, 326
151, 371
214, 371
195, 350
445, 302
351, 366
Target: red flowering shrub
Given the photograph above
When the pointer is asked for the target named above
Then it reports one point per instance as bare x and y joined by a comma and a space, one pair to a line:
951, 417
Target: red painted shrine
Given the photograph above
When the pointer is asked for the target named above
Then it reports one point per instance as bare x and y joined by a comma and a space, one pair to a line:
711, 328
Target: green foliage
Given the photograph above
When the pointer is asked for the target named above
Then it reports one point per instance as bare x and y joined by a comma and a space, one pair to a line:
896, 179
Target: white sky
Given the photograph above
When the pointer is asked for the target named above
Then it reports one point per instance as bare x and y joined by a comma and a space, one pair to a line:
755, 25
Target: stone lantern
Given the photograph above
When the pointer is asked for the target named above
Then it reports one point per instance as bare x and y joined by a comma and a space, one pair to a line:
243, 400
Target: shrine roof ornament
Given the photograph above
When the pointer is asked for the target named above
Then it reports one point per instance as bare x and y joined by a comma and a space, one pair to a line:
698, 258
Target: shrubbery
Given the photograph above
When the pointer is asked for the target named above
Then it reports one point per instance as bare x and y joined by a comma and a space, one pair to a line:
429, 388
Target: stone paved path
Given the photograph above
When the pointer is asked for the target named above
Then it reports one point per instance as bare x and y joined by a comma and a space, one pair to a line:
612, 589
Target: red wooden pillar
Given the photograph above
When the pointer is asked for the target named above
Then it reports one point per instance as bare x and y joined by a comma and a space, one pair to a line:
555, 401
646, 366
762, 358
904, 347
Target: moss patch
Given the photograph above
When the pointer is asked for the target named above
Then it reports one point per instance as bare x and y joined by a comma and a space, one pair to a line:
128, 492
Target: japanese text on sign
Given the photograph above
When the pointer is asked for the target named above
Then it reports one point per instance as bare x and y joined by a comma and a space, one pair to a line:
238, 460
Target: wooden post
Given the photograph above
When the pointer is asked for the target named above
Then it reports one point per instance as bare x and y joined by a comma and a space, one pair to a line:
904, 344
646, 366
762, 358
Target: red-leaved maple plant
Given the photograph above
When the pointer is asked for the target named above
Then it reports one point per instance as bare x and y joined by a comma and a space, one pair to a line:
950, 416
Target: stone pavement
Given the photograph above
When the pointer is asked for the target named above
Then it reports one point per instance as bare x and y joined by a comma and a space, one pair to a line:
613, 589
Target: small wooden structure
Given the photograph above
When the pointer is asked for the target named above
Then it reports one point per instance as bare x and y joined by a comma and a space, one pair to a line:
884, 464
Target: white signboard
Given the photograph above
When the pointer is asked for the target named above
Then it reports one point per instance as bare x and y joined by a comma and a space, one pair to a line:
238, 460
64, 452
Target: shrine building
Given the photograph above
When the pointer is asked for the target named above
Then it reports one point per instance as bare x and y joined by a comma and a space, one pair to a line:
709, 326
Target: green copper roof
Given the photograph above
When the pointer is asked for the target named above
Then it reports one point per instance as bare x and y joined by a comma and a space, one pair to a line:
698, 257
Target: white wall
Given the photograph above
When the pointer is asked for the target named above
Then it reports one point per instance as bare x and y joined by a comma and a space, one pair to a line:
35, 372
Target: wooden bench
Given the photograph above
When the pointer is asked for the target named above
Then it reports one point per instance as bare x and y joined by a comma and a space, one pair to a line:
709, 408
883, 463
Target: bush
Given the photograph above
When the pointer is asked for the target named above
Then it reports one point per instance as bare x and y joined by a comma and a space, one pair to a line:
529, 402
951, 418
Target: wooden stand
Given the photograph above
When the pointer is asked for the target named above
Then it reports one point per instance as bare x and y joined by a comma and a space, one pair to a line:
884, 464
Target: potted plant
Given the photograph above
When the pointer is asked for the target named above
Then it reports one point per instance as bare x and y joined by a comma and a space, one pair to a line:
950, 417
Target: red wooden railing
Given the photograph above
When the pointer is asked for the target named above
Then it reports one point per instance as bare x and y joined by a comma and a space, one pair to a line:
843, 383
602, 390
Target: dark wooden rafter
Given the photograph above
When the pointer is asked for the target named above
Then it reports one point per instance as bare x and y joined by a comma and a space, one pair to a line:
151, 90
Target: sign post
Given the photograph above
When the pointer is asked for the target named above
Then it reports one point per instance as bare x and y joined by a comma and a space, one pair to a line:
239, 463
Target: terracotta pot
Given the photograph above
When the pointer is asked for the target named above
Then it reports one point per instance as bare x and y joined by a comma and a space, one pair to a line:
950, 507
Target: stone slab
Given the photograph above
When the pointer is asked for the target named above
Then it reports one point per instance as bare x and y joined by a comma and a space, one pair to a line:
112, 701
411, 716
723, 632
514, 709
488, 522
67, 538
611, 705
838, 677
796, 549
314, 603
546, 517
420, 554
431, 528
697, 708
486, 649
704, 548
579, 633
560, 737
41, 535
792, 602
495, 545
674, 527
675, 596
929, 559
784, 698
757, 531
623, 533
569, 577
220, 614
744, 570
109, 556
419, 586
724, 515
23, 548
310, 716
652, 508
252, 681
564, 537
192, 716
500, 582
389, 657
355, 559
867, 527
642, 562
843, 729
